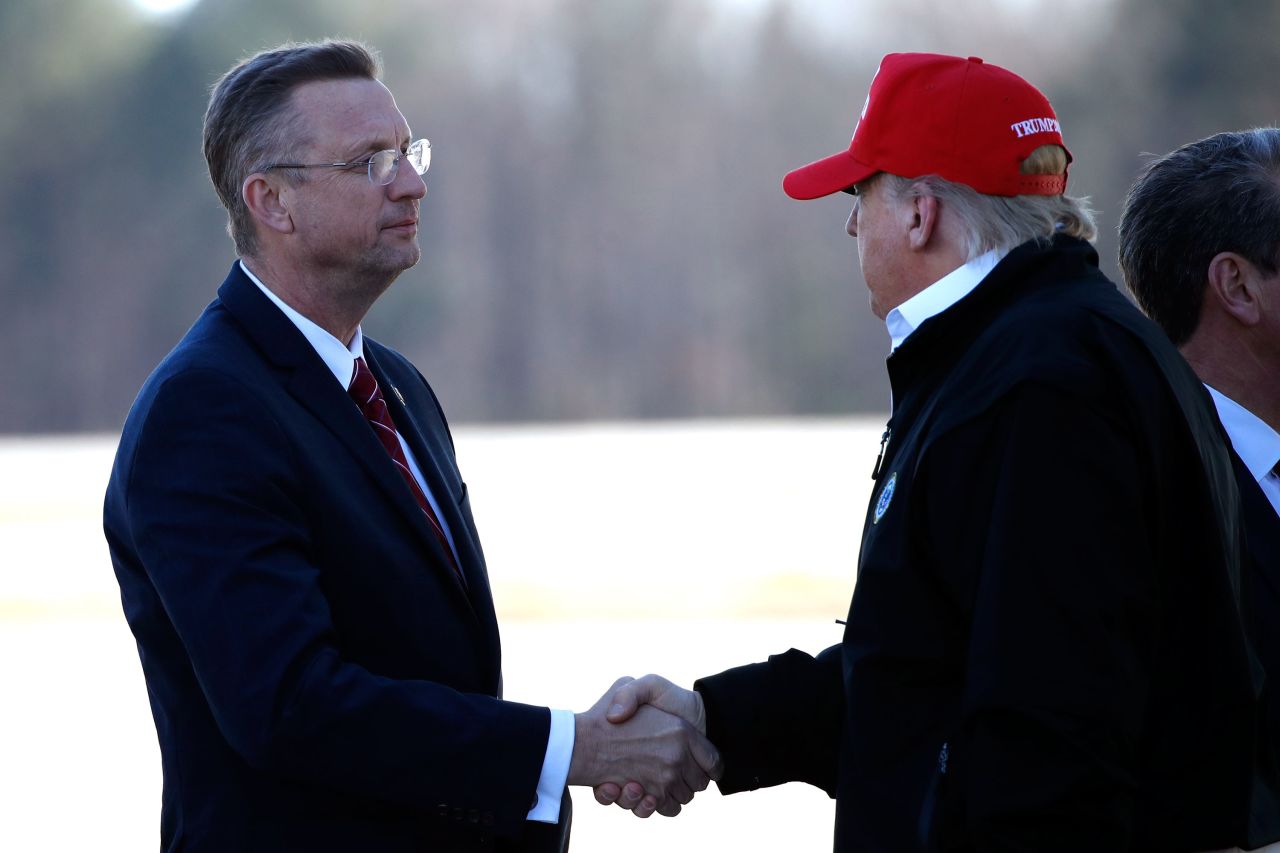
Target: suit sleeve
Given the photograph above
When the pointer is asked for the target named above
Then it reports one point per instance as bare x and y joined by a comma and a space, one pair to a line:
1052, 551
778, 721
213, 503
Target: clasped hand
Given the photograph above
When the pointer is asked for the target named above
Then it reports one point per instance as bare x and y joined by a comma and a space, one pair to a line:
643, 746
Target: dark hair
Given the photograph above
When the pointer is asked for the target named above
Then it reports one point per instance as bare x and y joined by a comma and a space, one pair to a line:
249, 124
1216, 195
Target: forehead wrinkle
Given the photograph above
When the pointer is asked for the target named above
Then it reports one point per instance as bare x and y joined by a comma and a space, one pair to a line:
400, 135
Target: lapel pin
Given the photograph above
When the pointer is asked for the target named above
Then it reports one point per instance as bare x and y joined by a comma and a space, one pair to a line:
399, 396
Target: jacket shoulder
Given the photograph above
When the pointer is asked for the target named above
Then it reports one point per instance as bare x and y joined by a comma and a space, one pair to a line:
1077, 335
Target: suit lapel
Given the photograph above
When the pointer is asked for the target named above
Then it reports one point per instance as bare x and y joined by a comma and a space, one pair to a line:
1261, 525
312, 384
427, 454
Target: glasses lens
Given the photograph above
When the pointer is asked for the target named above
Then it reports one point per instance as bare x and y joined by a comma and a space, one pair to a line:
420, 156
382, 167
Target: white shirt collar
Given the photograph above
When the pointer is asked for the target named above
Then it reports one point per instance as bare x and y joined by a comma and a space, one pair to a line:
1256, 443
939, 296
340, 358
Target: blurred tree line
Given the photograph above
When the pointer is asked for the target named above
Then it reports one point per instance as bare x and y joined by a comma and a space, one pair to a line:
604, 234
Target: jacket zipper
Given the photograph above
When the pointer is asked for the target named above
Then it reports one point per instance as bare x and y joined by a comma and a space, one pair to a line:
884, 441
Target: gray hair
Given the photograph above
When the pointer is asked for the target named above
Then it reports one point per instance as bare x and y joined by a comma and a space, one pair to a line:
990, 222
249, 123
1220, 194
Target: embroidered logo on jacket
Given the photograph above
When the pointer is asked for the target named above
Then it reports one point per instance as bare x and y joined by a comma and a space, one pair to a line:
886, 495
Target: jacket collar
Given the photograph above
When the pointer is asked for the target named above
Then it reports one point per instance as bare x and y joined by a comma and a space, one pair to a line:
943, 337
272, 333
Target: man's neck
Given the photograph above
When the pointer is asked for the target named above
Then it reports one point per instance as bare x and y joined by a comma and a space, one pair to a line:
1240, 374
939, 296
336, 307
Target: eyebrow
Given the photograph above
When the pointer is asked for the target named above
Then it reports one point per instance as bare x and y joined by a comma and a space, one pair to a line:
366, 147
372, 146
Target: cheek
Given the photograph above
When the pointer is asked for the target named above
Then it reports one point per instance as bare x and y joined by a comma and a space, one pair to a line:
355, 224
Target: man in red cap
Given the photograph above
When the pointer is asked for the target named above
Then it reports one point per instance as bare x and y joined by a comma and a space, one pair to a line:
1044, 649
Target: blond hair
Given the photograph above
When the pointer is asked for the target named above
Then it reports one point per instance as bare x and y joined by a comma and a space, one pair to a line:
991, 222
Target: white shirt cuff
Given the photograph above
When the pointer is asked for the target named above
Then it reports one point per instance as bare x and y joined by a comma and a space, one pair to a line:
555, 768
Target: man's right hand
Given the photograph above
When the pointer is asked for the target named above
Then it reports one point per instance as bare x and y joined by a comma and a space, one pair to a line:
629, 698
628, 737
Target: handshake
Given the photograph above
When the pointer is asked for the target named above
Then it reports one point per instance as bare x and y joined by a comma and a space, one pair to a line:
643, 746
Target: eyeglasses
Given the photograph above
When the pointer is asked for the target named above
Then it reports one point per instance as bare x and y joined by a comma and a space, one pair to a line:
382, 166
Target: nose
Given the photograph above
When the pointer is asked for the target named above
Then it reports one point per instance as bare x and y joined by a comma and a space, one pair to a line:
851, 227
408, 183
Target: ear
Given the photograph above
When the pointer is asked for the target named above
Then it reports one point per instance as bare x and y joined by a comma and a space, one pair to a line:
1234, 286
262, 195
922, 216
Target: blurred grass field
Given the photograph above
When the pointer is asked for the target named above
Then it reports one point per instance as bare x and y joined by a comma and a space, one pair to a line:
614, 549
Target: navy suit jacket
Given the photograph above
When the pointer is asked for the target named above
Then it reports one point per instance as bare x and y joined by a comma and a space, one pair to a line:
1262, 540
320, 679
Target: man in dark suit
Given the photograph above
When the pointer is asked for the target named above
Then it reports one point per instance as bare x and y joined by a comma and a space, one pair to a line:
294, 541
1044, 648
1200, 250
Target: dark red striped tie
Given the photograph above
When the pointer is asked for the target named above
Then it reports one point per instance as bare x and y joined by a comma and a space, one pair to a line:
368, 396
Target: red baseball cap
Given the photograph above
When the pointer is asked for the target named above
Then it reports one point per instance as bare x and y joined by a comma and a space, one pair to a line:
964, 120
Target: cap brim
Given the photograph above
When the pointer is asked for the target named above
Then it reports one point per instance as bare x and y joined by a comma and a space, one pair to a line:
826, 176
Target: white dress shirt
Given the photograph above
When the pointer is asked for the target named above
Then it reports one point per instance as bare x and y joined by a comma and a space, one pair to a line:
341, 360
939, 296
1256, 443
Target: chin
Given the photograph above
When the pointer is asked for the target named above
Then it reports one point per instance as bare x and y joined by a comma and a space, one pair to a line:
398, 260
406, 254
875, 306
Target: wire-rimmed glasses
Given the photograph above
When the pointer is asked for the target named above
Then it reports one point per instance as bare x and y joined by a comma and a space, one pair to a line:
382, 166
